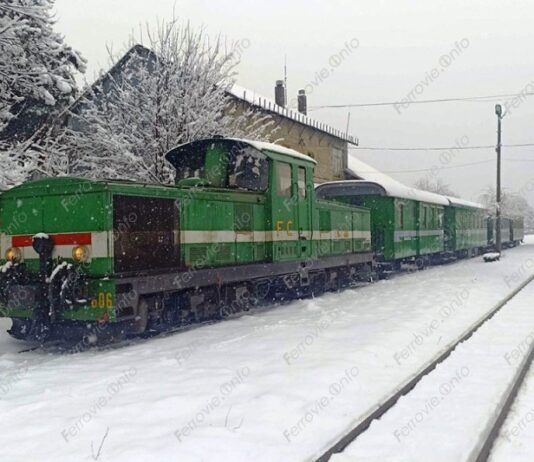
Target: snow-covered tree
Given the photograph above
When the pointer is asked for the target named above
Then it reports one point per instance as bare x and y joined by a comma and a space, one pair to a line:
437, 186
173, 90
512, 205
36, 80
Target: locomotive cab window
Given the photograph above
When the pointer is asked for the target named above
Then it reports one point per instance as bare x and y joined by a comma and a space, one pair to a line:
302, 182
283, 179
248, 170
221, 165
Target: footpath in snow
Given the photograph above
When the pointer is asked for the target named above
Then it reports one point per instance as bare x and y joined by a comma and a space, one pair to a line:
455, 405
279, 384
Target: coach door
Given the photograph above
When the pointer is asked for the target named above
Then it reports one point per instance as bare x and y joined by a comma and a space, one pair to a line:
284, 213
304, 212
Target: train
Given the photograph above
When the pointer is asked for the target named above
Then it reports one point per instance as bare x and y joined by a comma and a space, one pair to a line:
243, 224
413, 226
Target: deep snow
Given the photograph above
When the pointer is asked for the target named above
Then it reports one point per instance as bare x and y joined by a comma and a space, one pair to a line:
275, 385
454, 407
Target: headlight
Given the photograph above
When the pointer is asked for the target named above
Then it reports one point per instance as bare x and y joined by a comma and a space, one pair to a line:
80, 254
14, 255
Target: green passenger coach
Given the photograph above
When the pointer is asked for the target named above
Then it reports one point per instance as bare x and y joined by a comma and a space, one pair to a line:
406, 223
240, 224
465, 227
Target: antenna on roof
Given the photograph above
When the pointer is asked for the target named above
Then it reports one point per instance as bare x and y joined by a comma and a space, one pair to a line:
285, 77
348, 123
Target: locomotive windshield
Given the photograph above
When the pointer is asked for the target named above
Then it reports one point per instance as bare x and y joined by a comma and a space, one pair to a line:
221, 165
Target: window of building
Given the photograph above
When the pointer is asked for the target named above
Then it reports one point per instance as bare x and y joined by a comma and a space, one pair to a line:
283, 179
337, 162
302, 182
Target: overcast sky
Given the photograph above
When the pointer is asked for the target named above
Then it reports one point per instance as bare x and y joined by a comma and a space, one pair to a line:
428, 49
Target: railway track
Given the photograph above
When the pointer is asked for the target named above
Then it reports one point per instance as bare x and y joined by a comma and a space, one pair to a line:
490, 433
482, 451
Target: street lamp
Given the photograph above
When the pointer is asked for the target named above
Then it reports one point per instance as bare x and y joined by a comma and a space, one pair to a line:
498, 244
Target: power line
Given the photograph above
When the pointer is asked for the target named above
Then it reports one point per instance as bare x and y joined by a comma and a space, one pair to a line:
448, 167
421, 101
435, 148
431, 169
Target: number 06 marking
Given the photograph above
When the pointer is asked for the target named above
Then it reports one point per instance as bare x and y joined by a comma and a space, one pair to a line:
103, 300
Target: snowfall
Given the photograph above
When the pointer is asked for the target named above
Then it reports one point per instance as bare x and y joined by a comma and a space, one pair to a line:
283, 383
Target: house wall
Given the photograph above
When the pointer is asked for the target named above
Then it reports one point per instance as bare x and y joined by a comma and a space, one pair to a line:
328, 151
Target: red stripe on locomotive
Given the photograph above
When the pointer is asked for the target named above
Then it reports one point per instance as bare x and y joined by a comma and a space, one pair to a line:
57, 239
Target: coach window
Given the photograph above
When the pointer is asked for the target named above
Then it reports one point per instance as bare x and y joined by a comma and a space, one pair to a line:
401, 216
302, 183
283, 179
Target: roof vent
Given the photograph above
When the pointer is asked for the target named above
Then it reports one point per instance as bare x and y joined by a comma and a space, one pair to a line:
280, 93
302, 100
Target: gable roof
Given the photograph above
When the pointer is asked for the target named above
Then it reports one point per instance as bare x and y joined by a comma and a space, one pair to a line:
266, 104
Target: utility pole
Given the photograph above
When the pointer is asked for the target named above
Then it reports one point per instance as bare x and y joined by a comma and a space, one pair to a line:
498, 244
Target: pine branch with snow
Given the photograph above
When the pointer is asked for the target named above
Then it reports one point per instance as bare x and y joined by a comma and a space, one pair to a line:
36, 78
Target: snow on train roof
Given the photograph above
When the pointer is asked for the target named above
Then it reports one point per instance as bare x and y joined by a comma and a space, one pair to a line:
464, 203
392, 187
261, 145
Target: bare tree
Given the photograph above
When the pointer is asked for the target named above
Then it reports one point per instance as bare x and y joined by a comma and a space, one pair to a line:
512, 205
437, 186
173, 91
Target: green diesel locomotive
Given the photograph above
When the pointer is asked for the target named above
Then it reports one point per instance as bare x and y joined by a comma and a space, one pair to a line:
109, 258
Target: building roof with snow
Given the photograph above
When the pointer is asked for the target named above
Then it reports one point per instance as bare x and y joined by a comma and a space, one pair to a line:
266, 104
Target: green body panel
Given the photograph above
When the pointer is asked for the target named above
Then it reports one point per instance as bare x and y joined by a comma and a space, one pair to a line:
216, 227
518, 229
430, 228
57, 205
401, 228
341, 229
465, 228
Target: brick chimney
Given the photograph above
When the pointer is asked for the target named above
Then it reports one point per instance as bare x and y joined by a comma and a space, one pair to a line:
302, 102
280, 93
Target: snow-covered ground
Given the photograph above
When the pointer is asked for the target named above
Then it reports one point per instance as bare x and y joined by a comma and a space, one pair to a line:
449, 413
275, 385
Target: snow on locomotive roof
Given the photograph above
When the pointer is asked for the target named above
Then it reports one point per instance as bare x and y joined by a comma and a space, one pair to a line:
464, 203
261, 145
391, 186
